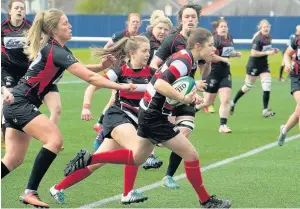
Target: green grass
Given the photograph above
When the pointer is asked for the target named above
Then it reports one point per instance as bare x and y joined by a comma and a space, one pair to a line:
268, 179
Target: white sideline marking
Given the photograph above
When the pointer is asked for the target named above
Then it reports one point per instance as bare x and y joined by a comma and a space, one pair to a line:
205, 168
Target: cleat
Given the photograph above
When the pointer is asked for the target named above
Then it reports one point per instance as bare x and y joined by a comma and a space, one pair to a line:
268, 114
169, 182
133, 197
81, 160
32, 198
281, 137
58, 195
211, 109
152, 162
62, 148
224, 129
98, 140
214, 202
97, 127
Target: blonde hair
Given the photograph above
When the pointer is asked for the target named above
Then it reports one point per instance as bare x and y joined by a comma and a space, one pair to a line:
264, 21
41, 30
121, 49
158, 16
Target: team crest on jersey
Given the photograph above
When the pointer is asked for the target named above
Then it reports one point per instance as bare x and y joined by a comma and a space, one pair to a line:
71, 58
146, 80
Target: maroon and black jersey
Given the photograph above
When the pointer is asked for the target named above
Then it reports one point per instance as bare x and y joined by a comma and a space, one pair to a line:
129, 101
170, 45
224, 48
295, 45
45, 71
119, 35
12, 43
260, 43
178, 65
154, 45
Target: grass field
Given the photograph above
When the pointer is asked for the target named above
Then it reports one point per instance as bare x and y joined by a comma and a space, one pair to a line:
266, 179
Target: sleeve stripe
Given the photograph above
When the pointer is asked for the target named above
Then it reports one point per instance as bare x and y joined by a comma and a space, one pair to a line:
111, 75
180, 67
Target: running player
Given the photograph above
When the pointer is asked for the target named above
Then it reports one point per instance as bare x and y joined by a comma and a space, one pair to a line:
14, 62
258, 67
291, 39
219, 80
50, 57
120, 119
294, 48
153, 124
188, 17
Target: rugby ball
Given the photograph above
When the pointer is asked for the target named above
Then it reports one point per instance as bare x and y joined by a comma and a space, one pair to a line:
185, 85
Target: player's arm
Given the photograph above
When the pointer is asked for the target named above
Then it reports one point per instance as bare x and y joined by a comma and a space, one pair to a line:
106, 62
289, 52
7, 96
257, 47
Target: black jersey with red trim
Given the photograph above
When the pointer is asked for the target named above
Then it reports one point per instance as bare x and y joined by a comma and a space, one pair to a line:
260, 43
119, 35
295, 45
154, 45
178, 65
129, 101
45, 70
224, 48
12, 43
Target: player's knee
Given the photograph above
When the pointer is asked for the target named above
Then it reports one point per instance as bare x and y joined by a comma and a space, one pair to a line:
297, 111
266, 84
191, 155
54, 142
13, 160
186, 126
94, 167
247, 87
56, 110
225, 101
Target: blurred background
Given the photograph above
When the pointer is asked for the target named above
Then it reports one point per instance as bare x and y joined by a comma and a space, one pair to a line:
102, 18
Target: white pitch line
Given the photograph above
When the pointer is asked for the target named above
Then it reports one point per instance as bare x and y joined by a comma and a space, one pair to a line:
205, 168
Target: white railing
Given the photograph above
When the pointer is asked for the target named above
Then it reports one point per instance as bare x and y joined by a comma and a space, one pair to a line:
105, 39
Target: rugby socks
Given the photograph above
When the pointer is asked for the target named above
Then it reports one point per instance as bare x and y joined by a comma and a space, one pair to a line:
130, 173
266, 98
193, 174
74, 178
119, 156
281, 71
174, 162
41, 164
238, 96
223, 121
4, 170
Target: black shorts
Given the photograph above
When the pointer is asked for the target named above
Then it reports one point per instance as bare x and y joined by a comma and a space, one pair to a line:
20, 113
114, 117
10, 79
295, 84
155, 127
253, 71
184, 110
214, 83
51, 88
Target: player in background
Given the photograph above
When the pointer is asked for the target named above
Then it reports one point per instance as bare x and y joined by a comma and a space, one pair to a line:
258, 66
291, 39
294, 48
219, 80
153, 124
156, 32
14, 62
50, 58
133, 25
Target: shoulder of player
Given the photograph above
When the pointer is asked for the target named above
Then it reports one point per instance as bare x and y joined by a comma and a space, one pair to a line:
119, 34
27, 23
5, 22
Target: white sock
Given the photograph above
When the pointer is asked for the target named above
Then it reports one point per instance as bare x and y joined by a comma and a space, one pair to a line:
264, 111
283, 130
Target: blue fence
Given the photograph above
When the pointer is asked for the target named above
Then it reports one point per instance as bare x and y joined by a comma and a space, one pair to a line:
241, 27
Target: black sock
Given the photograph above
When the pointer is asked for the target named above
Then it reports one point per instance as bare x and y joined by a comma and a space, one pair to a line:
266, 98
238, 96
281, 71
174, 162
41, 164
223, 121
4, 170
